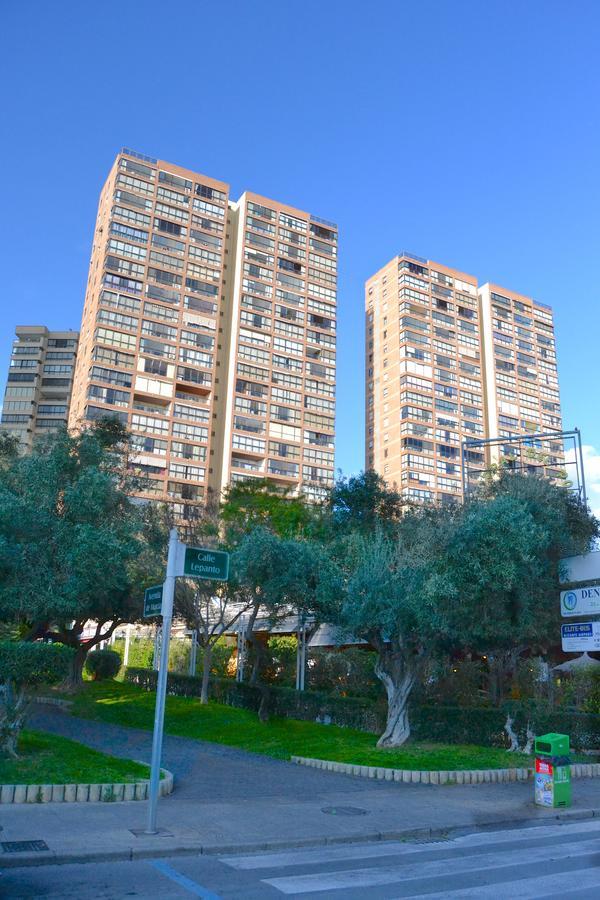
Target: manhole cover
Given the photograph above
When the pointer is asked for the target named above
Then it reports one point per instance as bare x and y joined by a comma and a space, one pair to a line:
344, 811
23, 846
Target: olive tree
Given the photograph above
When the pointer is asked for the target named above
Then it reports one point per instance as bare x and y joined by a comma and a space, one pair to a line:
474, 576
73, 546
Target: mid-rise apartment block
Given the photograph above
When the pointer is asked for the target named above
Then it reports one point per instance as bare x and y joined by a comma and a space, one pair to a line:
448, 363
39, 383
209, 330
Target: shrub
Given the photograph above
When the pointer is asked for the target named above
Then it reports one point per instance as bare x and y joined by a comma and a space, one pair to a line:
102, 664
352, 712
179, 655
446, 724
28, 663
24, 665
141, 651
347, 672
452, 683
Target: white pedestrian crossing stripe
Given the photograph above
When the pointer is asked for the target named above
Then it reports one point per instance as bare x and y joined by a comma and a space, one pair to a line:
560, 885
378, 849
474, 860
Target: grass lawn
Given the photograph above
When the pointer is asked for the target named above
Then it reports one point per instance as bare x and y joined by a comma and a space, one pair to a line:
49, 759
126, 704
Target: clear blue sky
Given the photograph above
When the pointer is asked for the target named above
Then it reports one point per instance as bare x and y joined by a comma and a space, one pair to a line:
467, 132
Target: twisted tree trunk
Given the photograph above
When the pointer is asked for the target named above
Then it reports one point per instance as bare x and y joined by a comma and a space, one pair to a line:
396, 668
13, 710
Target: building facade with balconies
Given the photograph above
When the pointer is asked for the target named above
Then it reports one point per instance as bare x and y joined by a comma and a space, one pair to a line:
448, 363
209, 331
40, 379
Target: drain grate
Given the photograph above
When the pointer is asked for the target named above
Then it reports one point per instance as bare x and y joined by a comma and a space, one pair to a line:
437, 840
344, 811
23, 846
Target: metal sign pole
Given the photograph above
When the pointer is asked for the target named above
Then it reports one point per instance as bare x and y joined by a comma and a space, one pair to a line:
161, 688
157, 639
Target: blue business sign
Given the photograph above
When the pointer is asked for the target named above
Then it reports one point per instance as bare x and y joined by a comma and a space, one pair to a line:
580, 636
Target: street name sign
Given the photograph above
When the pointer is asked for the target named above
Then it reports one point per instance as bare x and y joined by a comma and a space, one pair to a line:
153, 601
580, 568
580, 636
581, 601
200, 562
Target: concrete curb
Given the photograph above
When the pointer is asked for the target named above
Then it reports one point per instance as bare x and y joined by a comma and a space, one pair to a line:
54, 701
159, 846
439, 777
83, 793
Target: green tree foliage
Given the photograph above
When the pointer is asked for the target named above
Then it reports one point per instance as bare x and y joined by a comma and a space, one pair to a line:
72, 545
362, 503
9, 449
383, 602
504, 569
479, 576
285, 578
258, 503
24, 665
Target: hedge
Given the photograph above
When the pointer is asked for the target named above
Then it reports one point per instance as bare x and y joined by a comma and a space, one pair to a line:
32, 662
446, 724
351, 712
477, 725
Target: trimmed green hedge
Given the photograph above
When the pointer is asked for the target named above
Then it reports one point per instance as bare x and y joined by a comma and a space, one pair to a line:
485, 726
351, 712
445, 724
32, 663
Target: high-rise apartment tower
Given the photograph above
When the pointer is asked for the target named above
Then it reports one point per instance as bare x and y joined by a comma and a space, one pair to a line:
40, 378
209, 330
448, 363
521, 380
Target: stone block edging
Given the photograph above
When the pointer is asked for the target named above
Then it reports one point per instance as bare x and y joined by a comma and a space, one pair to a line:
82, 793
427, 776
53, 701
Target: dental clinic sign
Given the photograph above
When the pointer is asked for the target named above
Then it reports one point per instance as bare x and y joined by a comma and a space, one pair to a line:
199, 562
581, 601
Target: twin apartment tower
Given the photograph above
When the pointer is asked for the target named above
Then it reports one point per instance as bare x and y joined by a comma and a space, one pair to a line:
209, 330
448, 362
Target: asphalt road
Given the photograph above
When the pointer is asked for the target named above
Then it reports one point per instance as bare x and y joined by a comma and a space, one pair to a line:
519, 864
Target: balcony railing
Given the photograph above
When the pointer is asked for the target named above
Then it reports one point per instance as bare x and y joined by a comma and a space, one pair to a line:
142, 156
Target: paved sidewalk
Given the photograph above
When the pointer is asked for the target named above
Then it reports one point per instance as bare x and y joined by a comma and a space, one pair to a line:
227, 800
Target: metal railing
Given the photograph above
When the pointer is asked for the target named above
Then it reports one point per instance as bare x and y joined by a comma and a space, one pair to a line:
136, 155
410, 255
320, 221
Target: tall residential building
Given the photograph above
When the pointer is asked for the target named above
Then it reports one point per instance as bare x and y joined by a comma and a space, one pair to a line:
40, 379
209, 330
447, 362
521, 380
424, 376
278, 407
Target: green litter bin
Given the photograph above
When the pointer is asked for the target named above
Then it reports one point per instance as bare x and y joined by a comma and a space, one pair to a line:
552, 770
